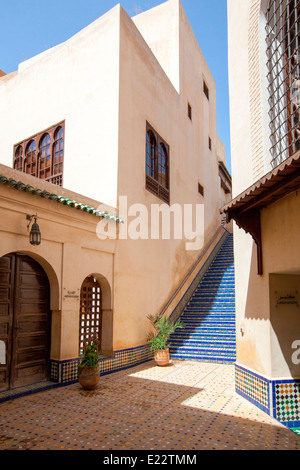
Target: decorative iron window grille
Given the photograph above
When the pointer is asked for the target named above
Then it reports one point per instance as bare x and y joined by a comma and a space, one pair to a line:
42, 155
283, 62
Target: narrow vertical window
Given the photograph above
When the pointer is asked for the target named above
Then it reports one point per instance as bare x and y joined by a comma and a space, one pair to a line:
150, 154
18, 161
205, 90
89, 314
200, 189
30, 158
45, 157
157, 165
162, 166
58, 156
189, 111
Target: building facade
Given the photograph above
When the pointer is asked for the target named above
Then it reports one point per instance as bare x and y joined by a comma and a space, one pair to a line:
103, 135
264, 92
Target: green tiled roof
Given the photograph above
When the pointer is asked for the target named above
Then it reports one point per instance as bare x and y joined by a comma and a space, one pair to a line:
54, 197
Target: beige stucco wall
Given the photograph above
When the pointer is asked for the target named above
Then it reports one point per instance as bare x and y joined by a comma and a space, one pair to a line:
147, 272
69, 252
265, 345
106, 82
76, 81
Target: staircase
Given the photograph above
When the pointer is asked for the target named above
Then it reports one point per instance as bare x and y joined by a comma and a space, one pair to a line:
209, 316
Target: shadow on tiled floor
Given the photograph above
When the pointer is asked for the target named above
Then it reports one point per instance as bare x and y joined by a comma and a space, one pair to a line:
185, 406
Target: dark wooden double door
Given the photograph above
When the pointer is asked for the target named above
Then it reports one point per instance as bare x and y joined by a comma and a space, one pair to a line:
24, 322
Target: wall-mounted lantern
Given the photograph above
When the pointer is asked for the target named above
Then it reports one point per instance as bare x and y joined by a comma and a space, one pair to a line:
35, 233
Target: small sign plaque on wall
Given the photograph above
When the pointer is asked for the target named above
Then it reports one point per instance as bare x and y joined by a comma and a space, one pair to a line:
287, 298
71, 294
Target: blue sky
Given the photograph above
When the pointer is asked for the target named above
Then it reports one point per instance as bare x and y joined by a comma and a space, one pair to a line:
28, 27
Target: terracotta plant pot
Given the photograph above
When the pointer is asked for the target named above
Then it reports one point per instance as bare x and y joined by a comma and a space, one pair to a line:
162, 357
89, 377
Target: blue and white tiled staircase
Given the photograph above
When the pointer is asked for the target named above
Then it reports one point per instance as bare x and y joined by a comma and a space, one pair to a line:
209, 316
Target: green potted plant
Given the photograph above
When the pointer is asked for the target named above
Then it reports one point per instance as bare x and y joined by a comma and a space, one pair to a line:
159, 337
88, 368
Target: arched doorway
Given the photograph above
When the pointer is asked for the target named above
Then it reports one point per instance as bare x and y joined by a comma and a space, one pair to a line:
25, 321
90, 315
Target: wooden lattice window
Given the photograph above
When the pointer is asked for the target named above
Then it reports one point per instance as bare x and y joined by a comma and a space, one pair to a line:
18, 162
58, 156
45, 157
150, 154
163, 166
30, 158
157, 165
90, 313
43, 154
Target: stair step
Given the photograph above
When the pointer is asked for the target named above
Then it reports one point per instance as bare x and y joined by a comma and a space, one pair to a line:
202, 345
203, 355
209, 316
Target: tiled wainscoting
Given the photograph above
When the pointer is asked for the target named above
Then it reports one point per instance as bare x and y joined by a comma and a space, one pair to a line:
279, 398
66, 371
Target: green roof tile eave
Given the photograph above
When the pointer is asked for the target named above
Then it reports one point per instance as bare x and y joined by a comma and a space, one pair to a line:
19, 185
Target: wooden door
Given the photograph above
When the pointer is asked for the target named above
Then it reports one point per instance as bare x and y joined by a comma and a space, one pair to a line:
24, 321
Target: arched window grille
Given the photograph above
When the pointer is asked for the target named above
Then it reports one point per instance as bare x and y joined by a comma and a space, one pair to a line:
283, 25
45, 157
90, 314
30, 158
163, 166
18, 161
150, 154
47, 163
58, 156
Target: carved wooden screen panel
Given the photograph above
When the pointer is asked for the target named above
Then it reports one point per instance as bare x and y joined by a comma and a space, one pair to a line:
90, 313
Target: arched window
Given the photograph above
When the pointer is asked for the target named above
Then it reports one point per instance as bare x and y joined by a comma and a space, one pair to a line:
157, 165
89, 314
47, 163
150, 154
58, 156
18, 160
45, 157
30, 158
283, 50
163, 166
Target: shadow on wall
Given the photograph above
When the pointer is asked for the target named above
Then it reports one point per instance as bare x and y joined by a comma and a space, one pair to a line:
285, 315
274, 298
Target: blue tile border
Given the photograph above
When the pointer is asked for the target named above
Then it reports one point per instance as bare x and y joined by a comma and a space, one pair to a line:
283, 396
250, 392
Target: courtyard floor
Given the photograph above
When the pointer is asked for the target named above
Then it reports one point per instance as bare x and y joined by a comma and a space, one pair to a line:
186, 406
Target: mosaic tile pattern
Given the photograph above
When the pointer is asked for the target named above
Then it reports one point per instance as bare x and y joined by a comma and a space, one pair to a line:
66, 371
253, 387
278, 398
286, 398
186, 406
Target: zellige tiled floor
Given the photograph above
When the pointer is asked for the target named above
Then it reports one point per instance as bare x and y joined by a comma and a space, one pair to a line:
185, 406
